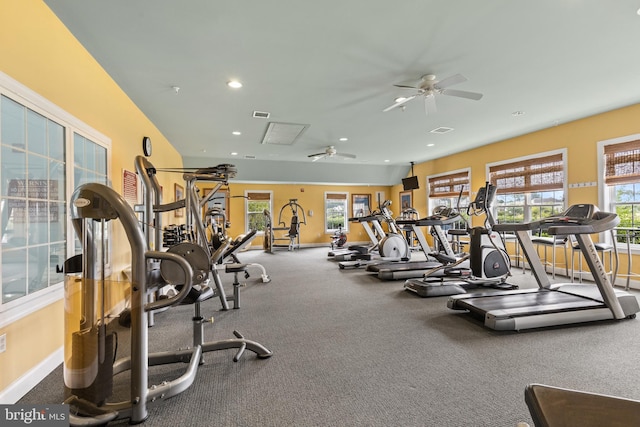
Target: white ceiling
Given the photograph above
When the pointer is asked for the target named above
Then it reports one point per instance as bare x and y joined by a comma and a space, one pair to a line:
333, 65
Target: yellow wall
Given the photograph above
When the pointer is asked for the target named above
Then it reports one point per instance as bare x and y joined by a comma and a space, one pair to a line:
310, 197
40, 53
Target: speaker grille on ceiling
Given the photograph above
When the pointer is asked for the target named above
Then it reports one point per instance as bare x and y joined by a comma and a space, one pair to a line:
283, 133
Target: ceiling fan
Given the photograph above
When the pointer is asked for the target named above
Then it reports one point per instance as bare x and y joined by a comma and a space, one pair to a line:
330, 151
428, 87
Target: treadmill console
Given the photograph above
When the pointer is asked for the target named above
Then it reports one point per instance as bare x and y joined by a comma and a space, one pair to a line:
580, 211
576, 214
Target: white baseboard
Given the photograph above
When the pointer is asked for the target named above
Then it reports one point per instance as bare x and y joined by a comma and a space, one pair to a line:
30, 379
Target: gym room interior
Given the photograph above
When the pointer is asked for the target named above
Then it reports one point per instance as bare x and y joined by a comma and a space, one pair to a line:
51, 67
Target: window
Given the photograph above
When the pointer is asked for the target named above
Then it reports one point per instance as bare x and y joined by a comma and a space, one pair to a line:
621, 174
44, 154
444, 190
256, 203
529, 189
90, 165
335, 212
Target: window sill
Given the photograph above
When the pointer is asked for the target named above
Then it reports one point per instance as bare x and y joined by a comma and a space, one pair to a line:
25, 306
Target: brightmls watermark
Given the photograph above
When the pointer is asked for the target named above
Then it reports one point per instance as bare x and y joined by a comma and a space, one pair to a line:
34, 415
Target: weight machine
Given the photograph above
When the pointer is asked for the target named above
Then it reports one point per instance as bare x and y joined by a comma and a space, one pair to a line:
291, 231
191, 239
92, 341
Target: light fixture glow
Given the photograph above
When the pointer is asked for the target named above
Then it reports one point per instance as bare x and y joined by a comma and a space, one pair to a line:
400, 99
234, 84
235, 132
234, 154
343, 139
387, 160
430, 145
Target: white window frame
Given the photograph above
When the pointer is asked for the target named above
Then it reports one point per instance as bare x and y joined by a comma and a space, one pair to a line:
605, 192
451, 200
246, 209
527, 214
10, 88
345, 226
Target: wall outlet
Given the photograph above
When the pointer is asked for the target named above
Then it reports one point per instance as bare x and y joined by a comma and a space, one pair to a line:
3, 343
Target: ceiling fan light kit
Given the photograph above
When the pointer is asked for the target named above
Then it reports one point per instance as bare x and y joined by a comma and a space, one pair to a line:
427, 86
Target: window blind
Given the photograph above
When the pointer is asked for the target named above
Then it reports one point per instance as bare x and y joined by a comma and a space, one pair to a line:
336, 196
259, 196
449, 185
538, 174
622, 163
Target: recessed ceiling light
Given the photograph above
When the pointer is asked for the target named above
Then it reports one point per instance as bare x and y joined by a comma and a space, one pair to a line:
234, 154
387, 160
235, 132
234, 84
343, 139
430, 145
638, 12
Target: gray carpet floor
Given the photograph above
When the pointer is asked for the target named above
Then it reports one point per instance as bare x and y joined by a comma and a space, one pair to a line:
351, 350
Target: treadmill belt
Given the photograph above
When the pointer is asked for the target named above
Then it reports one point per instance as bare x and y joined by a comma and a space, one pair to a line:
403, 266
521, 304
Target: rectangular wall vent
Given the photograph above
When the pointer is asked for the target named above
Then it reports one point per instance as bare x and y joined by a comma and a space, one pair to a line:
261, 115
249, 157
441, 129
283, 133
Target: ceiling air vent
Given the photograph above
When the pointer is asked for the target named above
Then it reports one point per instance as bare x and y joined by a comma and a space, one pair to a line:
261, 115
283, 133
249, 157
441, 129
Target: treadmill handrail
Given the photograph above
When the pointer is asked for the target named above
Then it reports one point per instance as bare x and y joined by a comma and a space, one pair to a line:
429, 221
365, 218
435, 220
517, 226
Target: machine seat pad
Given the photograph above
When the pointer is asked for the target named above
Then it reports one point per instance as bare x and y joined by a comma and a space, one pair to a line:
235, 267
197, 294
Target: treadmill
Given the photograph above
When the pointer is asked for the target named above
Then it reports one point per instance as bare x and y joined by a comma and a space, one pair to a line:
554, 304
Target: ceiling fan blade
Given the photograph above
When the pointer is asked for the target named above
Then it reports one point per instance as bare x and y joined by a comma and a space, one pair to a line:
450, 81
317, 157
350, 156
462, 94
430, 104
399, 103
410, 84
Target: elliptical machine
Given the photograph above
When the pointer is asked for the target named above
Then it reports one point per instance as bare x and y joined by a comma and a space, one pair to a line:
489, 263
